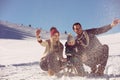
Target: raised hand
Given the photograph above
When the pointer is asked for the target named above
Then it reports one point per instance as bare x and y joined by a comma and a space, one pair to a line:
38, 31
115, 22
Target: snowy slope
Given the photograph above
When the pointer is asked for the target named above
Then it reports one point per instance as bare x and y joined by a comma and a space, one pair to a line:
19, 60
15, 31
19, 57
19, 31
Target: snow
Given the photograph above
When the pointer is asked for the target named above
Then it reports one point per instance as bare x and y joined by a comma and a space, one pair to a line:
18, 51
19, 60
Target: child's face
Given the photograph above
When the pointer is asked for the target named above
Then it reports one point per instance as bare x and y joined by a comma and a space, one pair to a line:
71, 43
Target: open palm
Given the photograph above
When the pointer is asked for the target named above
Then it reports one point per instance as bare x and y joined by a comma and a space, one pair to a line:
38, 32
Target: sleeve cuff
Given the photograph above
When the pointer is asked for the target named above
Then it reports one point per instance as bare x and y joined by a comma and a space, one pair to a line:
39, 40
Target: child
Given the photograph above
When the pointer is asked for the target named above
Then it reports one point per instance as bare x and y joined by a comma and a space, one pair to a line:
70, 49
72, 57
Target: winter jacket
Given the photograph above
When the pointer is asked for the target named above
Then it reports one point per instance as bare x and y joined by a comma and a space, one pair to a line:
70, 50
51, 47
88, 42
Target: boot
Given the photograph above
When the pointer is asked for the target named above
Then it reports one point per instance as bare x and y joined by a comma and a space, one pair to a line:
81, 71
93, 70
100, 71
50, 72
83, 74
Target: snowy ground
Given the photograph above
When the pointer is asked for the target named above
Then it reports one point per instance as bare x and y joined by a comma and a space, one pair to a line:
19, 60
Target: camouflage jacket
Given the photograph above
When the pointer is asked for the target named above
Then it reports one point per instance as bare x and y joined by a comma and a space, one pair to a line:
90, 42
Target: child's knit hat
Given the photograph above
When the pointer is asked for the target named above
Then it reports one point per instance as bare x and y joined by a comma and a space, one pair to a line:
70, 38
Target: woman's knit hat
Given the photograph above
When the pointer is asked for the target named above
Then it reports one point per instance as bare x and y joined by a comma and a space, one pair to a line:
53, 31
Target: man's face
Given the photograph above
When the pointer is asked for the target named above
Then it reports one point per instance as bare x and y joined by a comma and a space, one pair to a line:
77, 29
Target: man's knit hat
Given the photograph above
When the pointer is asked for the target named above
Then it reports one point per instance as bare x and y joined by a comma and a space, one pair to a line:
70, 38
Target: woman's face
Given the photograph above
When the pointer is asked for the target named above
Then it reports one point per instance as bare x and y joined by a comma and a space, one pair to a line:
55, 37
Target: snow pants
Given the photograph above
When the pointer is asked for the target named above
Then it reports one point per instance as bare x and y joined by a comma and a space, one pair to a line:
96, 57
50, 62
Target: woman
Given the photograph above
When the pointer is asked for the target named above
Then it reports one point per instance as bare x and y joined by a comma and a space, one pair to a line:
53, 55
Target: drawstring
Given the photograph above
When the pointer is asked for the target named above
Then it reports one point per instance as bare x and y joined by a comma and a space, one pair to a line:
83, 37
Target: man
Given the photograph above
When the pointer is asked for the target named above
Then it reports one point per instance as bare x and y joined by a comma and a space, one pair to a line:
91, 51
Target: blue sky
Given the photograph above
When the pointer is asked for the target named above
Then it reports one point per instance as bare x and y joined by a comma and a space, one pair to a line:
61, 13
